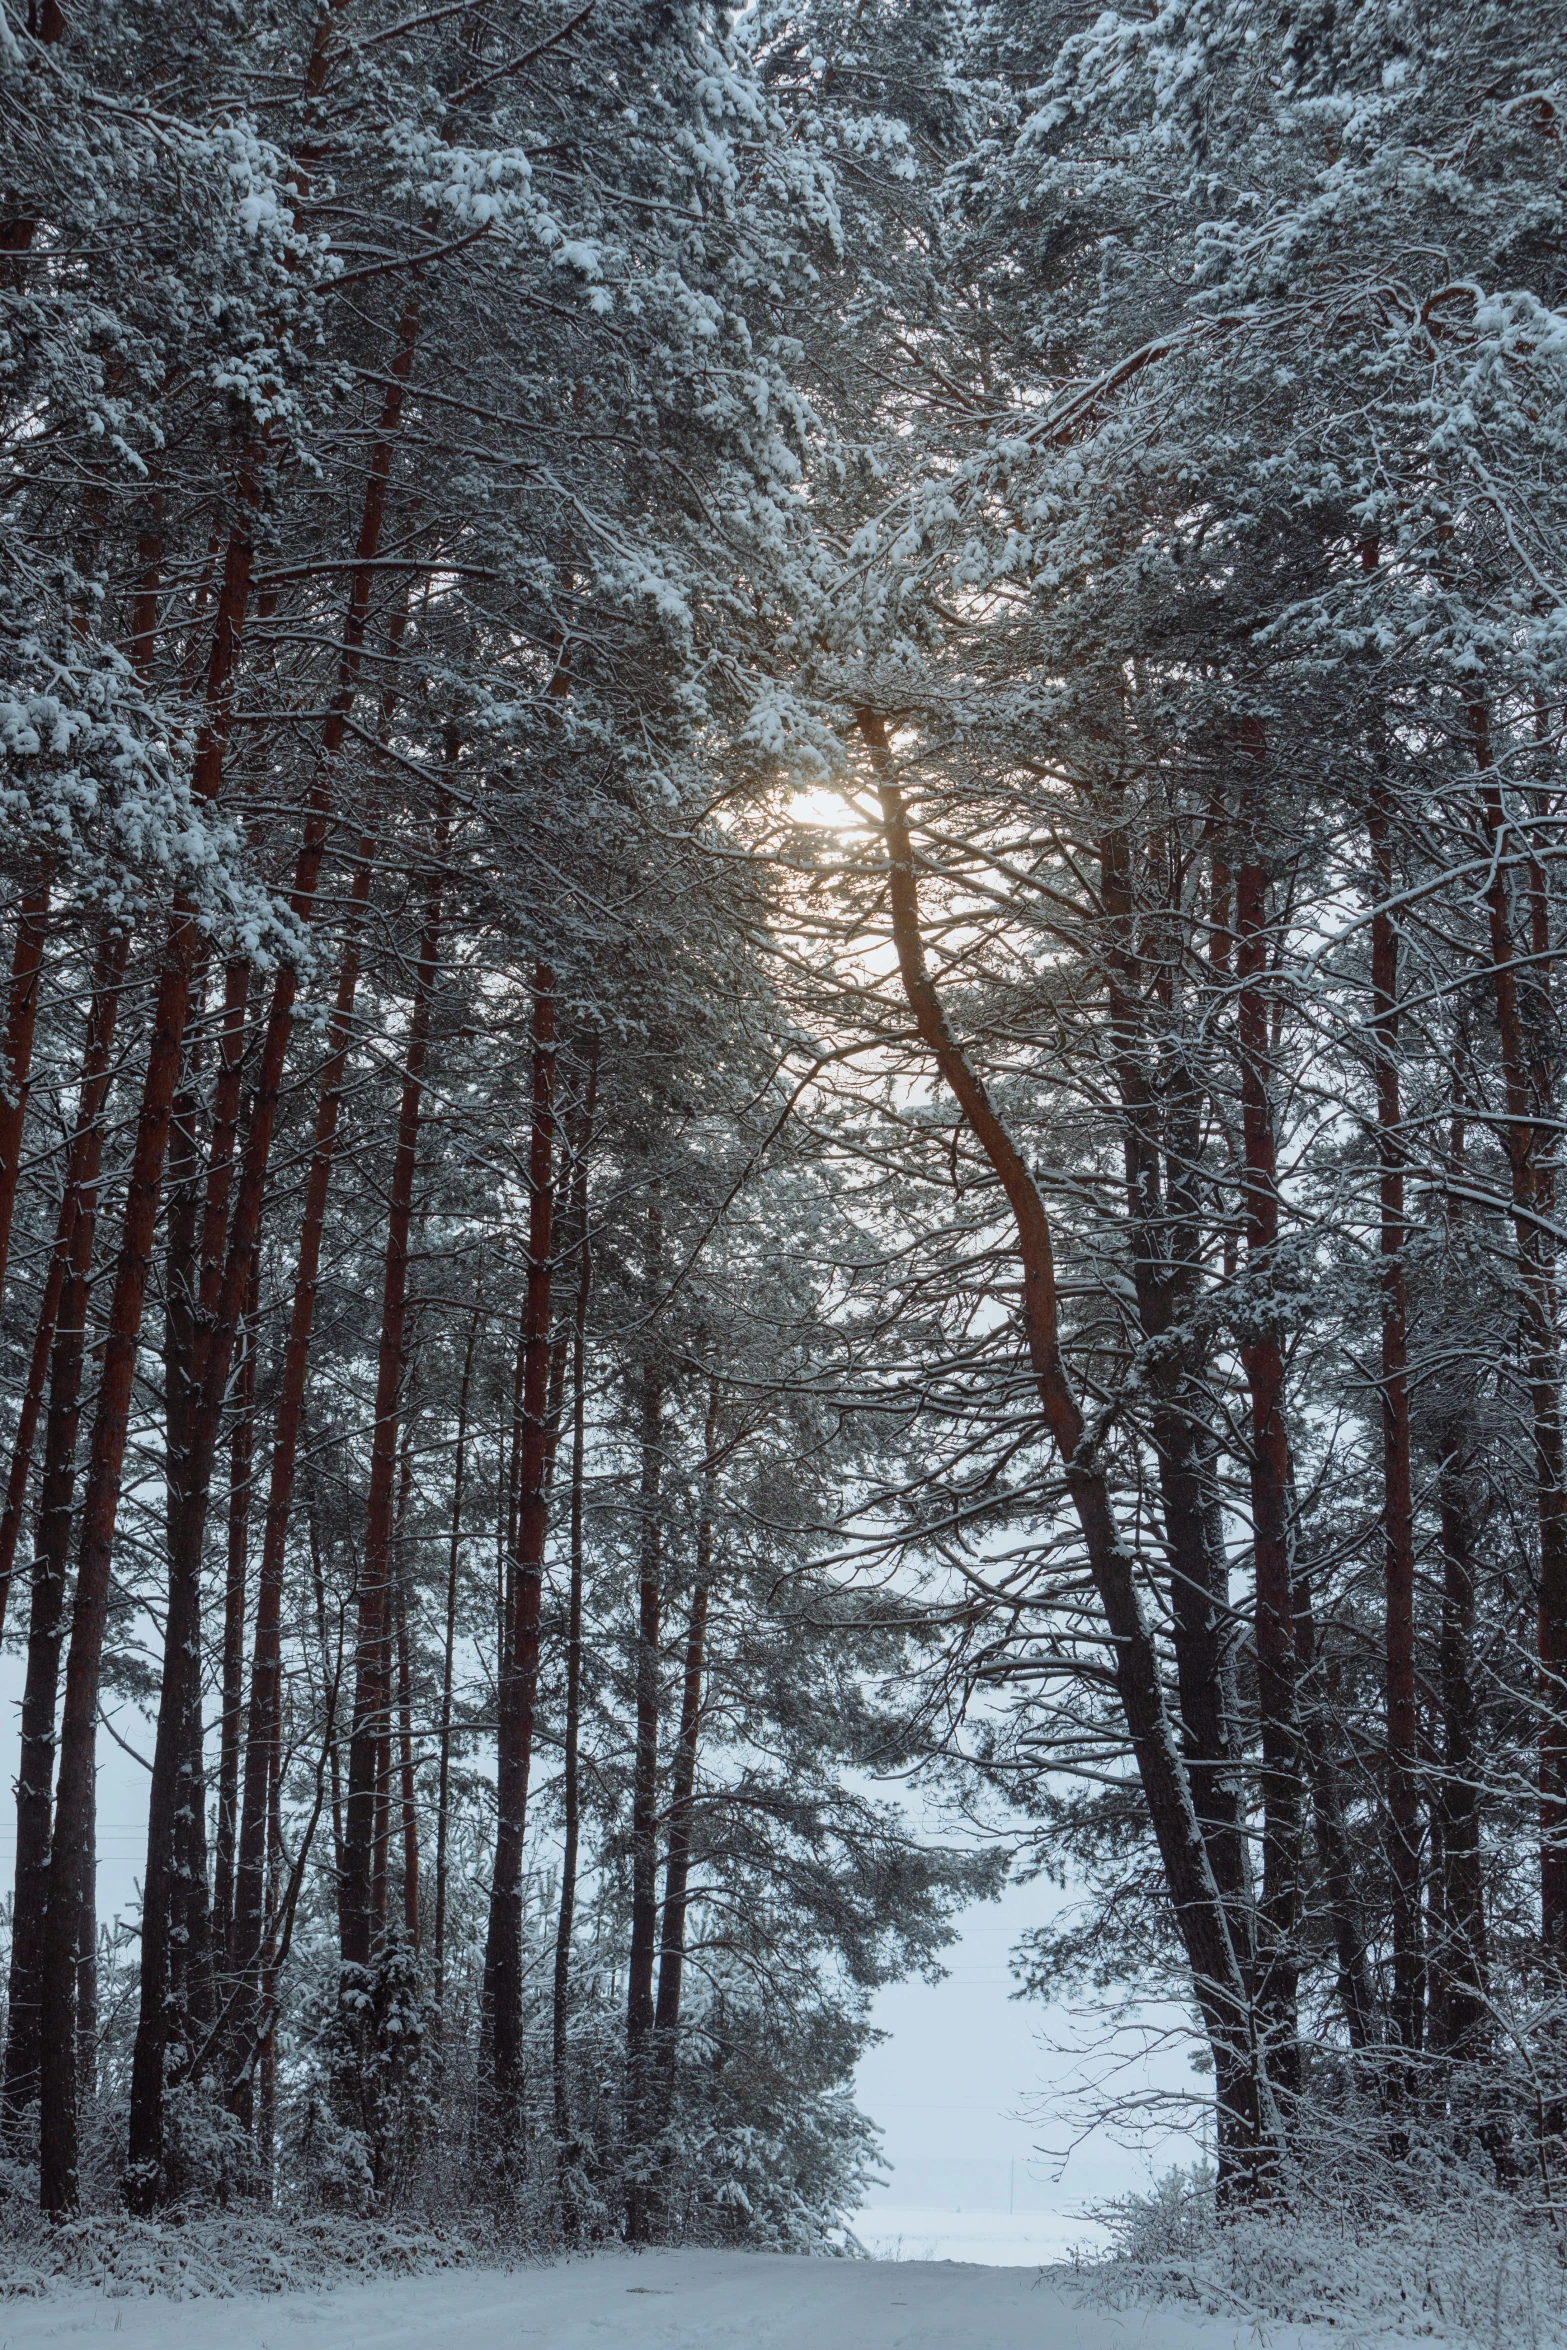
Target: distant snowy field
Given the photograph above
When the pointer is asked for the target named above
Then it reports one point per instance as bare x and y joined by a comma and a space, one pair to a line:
1024, 2239
624, 2301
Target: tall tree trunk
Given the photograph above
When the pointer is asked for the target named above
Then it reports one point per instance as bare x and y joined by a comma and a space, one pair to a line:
443, 1789
163, 1955
1262, 1359
63, 1330
682, 1793
59, 2186
1250, 2123
566, 2149
519, 1678
262, 1719
372, 1686
331, 1679
1528, 1081
1357, 1997
1164, 1227
16, 1051
405, 1741
235, 1581
640, 2007
87, 1972
223, 1294
1460, 2008
1398, 1502
81, 1169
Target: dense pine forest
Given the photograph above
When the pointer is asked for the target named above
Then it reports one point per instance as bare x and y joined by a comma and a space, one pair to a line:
783, 865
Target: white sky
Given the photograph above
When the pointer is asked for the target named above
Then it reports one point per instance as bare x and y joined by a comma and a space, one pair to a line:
972, 2087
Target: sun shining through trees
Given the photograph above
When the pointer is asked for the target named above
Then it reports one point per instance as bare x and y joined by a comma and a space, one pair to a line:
783, 881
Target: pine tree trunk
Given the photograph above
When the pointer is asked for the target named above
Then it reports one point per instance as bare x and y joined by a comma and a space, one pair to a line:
682, 1793
372, 1682
519, 1679
1262, 1359
1357, 1997
27, 958
81, 1170
640, 2006
65, 1332
262, 1719
236, 1578
59, 2186
566, 2149
1164, 1226
443, 1788
1398, 1503
405, 1740
163, 1953
1249, 2120
1528, 1139
223, 1291
1460, 2006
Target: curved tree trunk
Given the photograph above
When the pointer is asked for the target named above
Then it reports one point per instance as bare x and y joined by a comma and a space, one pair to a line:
1249, 2122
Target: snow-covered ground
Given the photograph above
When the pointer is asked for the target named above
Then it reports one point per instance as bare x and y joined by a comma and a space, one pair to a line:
623, 2301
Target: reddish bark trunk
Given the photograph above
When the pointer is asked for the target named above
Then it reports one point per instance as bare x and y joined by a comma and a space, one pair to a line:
372, 1690
262, 1720
1528, 1139
1248, 2119
32, 930
1403, 1782
682, 1793
1163, 1222
59, 2188
443, 1790
405, 1742
65, 1334
81, 1172
1262, 1358
640, 2006
566, 2152
235, 1581
519, 1679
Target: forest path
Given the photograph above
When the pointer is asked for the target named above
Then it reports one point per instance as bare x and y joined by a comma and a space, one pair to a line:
621, 2301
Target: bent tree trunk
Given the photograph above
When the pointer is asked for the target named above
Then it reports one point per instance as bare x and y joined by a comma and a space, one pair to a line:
1249, 2125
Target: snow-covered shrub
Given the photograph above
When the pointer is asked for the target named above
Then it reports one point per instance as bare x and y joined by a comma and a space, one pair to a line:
357, 2121
1446, 2253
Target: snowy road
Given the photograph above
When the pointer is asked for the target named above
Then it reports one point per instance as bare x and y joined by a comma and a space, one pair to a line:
659, 2301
